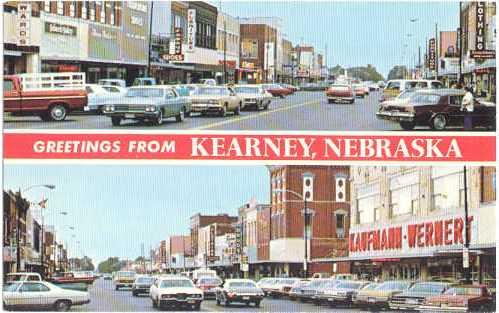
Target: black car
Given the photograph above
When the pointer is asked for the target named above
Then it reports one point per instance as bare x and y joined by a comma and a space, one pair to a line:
412, 298
141, 285
243, 291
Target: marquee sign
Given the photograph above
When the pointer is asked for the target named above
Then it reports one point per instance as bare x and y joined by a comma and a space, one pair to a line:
432, 55
480, 26
23, 23
191, 29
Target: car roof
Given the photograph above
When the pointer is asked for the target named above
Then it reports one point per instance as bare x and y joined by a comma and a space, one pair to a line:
152, 87
238, 280
173, 277
23, 273
443, 91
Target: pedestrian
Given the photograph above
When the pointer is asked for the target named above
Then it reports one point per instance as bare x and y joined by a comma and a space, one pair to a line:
467, 108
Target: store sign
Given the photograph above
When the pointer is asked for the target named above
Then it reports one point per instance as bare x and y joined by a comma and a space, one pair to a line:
480, 26
231, 64
483, 54
23, 23
173, 57
239, 239
247, 65
60, 29
211, 249
175, 51
413, 237
431, 55
191, 29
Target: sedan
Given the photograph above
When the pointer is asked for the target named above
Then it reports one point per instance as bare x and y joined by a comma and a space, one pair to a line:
253, 96
239, 291
141, 285
40, 294
463, 298
381, 296
342, 293
412, 298
208, 285
340, 93
277, 90
148, 103
175, 292
219, 99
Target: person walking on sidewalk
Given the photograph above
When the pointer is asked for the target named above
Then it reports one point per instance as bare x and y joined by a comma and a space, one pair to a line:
467, 108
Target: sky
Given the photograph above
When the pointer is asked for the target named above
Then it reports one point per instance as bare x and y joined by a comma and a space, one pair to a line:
356, 33
116, 208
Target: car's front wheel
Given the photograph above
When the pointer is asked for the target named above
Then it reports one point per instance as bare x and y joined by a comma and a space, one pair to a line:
180, 116
257, 304
237, 110
116, 121
58, 112
439, 122
159, 119
407, 125
62, 305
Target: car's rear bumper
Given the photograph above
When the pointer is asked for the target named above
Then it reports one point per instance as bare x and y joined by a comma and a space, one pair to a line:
340, 98
429, 308
245, 298
177, 302
396, 116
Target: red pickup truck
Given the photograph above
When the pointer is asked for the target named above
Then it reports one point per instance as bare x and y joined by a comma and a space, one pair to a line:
50, 96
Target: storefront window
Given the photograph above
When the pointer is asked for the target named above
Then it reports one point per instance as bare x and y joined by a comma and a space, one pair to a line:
447, 188
60, 7
340, 225
368, 201
404, 194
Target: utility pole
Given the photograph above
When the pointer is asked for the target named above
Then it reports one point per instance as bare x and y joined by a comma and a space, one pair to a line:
18, 231
466, 250
150, 42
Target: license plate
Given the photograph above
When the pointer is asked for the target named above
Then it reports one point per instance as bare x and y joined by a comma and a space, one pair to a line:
191, 301
129, 115
246, 298
410, 301
371, 300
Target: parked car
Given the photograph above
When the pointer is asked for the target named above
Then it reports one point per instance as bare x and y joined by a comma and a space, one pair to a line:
340, 93
296, 290
208, 285
218, 100
395, 87
291, 87
71, 278
462, 298
141, 285
107, 276
412, 298
310, 291
124, 279
327, 285
276, 90
99, 96
144, 81
437, 109
266, 284
380, 297
284, 286
35, 295
148, 103
112, 82
239, 291
42, 94
253, 96
208, 81
22, 276
115, 89
175, 292
342, 293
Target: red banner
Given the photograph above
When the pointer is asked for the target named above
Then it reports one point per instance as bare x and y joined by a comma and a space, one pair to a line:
255, 147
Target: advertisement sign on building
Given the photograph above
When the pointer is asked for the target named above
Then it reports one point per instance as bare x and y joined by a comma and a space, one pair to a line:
480, 26
249, 49
211, 249
191, 29
23, 23
269, 55
175, 49
60, 29
135, 29
103, 43
431, 55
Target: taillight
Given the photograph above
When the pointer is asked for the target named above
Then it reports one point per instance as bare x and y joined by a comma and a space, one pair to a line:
231, 294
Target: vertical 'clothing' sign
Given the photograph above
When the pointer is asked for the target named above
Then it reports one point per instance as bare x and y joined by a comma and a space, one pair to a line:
480, 26
191, 29
23, 23
431, 54
211, 251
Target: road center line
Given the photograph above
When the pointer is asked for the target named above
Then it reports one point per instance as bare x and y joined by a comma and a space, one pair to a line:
242, 118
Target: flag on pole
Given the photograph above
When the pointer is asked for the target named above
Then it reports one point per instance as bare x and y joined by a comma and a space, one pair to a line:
43, 203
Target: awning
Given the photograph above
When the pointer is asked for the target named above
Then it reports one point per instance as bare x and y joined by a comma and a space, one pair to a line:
490, 63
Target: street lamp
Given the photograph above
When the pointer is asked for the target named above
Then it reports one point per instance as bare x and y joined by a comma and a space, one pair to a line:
306, 222
466, 249
18, 222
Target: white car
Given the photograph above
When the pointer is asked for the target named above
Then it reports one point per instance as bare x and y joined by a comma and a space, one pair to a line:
175, 292
253, 96
29, 295
22, 276
112, 82
98, 97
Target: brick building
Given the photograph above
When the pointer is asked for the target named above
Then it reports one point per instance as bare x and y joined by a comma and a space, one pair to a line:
327, 196
254, 54
199, 221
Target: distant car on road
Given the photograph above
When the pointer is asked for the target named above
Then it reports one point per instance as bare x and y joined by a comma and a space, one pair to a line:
436, 108
175, 292
239, 291
277, 90
340, 93
141, 285
395, 87
124, 279
253, 96
148, 103
209, 286
34, 295
360, 90
107, 276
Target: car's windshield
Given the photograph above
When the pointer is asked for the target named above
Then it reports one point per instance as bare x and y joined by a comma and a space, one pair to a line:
145, 280
126, 274
247, 89
393, 285
145, 92
428, 288
11, 287
349, 285
371, 286
242, 284
464, 291
212, 91
210, 281
175, 283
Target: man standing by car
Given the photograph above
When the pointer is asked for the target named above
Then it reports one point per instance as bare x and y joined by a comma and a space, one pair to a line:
467, 107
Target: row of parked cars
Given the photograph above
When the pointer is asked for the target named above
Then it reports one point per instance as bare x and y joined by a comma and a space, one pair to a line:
393, 294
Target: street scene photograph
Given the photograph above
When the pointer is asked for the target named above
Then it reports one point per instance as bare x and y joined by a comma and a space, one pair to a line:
250, 65
275, 238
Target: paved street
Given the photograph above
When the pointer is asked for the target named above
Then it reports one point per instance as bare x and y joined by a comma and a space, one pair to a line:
105, 298
301, 111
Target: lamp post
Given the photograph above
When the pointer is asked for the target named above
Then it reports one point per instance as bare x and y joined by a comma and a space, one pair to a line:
466, 250
150, 41
306, 222
43, 239
18, 222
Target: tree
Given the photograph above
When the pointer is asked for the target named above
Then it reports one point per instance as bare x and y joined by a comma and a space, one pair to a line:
398, 72
365, 73
112, 264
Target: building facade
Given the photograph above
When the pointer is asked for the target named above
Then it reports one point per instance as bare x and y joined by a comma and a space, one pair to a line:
408, 222
228, 38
